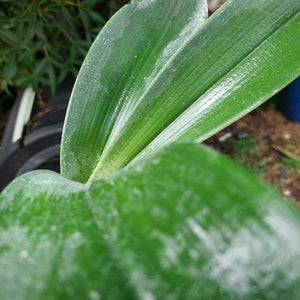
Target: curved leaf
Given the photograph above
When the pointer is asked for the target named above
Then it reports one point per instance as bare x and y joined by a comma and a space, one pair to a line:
157, 230
50, 244
126, 57
255, 79
151, 78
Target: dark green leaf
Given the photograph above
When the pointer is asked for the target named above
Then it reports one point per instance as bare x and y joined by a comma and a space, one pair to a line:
23, 81
97, 18
8, 36
85, 20
40, 67
52, 78
73, 52
10, 69
89, 3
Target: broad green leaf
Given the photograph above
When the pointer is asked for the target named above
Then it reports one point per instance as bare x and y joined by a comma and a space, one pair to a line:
157, 73
50, 244
125, 58
160, 229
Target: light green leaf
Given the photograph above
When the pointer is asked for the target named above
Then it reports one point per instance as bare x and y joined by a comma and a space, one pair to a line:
157, 230
151, 78
123, 61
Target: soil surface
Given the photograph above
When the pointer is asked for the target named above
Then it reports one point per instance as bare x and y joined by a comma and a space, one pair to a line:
267, 144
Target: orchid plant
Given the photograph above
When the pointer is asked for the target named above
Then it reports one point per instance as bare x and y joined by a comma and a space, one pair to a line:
141, 209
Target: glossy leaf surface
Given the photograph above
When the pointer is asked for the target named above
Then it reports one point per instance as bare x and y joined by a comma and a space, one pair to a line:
157, 230
151, 78
122, 63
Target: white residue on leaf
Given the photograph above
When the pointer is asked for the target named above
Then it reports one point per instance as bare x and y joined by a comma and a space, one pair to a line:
173, 48
195, 21
201, 234
145, 284
255, 253
139, 168
137, 192
24, 253
171, 249
144, 3
19, 258
114, 213
94, 295
147, 296
155, 161
68, 256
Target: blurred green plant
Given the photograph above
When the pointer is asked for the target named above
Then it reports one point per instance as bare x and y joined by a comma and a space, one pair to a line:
41, 41
289, 160
242, 146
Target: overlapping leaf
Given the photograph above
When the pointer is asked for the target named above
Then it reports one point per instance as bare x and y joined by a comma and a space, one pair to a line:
181, 223
157, 230
158, 72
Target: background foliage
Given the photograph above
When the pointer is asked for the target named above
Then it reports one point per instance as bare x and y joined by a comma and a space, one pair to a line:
41, 41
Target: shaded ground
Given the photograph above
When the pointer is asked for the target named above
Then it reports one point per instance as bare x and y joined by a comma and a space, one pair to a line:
6, 103
267, 144
3, 121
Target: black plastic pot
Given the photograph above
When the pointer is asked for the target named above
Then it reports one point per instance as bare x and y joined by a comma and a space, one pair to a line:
33, 142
